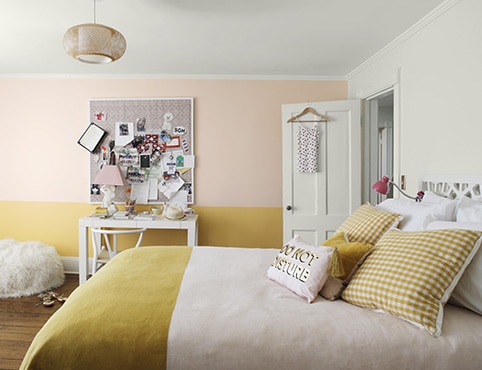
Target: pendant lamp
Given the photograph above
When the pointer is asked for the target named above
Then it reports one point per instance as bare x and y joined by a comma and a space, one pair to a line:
94, 43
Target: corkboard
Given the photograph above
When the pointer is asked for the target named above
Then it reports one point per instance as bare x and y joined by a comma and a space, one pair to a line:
159, 127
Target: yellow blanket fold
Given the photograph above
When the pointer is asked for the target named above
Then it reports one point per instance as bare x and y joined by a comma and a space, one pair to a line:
119, 319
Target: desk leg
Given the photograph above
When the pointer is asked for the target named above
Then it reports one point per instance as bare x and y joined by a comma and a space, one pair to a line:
192, 236
83, 254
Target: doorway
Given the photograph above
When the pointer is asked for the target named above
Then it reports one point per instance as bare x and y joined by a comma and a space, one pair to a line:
378, 143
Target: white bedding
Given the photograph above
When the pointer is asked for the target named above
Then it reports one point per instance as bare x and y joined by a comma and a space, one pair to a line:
229, 315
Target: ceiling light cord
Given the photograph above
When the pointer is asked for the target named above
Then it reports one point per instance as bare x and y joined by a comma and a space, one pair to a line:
95, 12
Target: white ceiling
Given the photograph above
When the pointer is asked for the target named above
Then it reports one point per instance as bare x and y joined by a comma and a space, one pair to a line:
250, 38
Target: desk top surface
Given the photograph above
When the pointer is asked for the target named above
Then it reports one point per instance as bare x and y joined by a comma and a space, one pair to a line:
157, 221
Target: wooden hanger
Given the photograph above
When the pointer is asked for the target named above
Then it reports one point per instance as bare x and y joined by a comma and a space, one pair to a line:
322, 118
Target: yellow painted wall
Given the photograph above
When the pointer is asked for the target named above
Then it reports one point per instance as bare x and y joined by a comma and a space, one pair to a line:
237, 143
56, 224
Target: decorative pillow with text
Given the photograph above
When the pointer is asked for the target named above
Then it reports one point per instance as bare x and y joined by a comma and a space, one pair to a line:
301, 267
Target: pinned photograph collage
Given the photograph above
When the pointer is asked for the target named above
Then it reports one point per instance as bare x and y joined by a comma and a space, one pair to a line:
151, 141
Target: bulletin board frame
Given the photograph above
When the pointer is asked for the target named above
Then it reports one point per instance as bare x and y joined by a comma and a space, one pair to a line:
152, 141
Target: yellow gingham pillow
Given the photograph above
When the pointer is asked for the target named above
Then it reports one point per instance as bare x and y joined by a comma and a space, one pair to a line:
367, 224
412, 274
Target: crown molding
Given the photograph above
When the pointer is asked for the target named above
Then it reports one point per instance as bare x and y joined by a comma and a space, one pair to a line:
417, 27
170, 77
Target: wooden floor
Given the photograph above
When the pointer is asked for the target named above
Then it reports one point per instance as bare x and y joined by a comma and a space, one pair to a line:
21, 319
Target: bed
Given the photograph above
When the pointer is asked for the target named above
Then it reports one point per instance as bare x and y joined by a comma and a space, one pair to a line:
219, 307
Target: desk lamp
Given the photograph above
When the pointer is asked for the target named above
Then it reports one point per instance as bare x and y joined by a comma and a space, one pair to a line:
382, 187
109, 176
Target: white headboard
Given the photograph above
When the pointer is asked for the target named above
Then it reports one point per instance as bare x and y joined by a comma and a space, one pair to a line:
453, 186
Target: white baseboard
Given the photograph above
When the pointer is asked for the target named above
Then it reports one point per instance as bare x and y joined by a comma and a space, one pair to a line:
71, 264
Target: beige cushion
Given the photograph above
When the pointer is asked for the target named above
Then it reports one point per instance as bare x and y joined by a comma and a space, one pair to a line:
412, 274
367, 224
334, 287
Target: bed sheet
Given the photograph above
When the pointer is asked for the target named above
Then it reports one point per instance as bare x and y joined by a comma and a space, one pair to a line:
229, 315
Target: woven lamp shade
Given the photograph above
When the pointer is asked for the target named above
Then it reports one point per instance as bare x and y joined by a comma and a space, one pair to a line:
94, 43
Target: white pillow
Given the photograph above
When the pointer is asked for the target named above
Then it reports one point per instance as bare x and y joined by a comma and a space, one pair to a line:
301, 267
431, 197
418, 215
468, 292
447, 207
469, 210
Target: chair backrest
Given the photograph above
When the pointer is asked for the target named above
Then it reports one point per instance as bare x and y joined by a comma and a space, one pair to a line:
113, 249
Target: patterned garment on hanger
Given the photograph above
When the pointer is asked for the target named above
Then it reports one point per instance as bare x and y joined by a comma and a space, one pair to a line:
308, 144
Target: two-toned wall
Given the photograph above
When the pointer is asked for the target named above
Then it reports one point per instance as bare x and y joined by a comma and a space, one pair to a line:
237, 127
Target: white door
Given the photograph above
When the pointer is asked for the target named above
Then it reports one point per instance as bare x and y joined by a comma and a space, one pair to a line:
315, 204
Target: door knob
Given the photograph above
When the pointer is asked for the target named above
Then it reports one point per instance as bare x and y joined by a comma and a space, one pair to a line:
288, 208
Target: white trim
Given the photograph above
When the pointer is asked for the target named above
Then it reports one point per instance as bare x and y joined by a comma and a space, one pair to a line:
379, 89
397, 129
417, 27
380, 92
392, 85
71, 264
171, 77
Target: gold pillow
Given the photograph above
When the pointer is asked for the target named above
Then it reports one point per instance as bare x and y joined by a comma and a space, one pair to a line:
350, 252
412, 274
367, 224
352, 255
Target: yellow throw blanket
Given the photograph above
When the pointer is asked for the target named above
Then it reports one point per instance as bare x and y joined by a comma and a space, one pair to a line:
119, 319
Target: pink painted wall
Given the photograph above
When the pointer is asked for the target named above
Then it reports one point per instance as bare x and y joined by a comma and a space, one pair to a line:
237, 128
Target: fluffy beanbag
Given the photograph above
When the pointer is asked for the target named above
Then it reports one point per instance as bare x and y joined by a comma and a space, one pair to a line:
28, 268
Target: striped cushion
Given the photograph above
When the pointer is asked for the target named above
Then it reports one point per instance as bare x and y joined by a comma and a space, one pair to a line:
367, 224
412, 274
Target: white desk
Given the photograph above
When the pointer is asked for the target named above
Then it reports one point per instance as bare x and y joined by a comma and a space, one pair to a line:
189, 224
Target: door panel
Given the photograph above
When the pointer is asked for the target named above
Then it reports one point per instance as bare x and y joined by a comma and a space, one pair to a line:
319, 202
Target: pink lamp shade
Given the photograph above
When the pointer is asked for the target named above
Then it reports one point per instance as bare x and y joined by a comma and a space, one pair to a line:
381, 186
110, 175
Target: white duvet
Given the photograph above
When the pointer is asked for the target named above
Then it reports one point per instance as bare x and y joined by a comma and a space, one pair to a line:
229, 315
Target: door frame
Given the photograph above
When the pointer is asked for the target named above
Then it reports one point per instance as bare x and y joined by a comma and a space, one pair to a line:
394, 86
